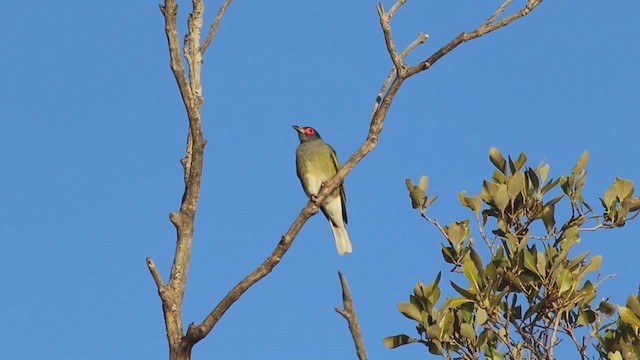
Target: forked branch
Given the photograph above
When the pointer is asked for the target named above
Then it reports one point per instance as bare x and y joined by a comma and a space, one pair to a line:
349, 313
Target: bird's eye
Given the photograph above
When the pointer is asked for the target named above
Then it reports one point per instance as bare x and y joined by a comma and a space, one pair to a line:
310, 131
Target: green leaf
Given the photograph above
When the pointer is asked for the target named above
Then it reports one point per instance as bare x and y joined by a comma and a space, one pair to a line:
623, 188
633, 203
564, 281
492, 354
501, 197
462, 291
472, 202
482, 339
433, 332
534, 181
515, 185
446, 324
544, 171
418, 197
548, 217
628, 316
471, 273
477, 261
607, 308
458, 231
420, 290
498, 160
498, 177
410, 310
431, 200
434, 284
578, 259
532, 310
455, 302
594, 264
549, 185
488, 190
522, 159
530, 261
448, 254
541, 264
582, 163
634, 305
586, 317
424, 183
467, 331
614, 355
392, 342
435, 347
409, 184
481, 316
609, 198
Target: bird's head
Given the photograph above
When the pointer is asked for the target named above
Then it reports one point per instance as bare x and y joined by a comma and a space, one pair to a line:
306, 133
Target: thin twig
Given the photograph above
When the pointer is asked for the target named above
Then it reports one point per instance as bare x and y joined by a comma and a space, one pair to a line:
155, 273
385, 18
601, 281
490, 244
437, 224
497, 13
418, 41
466, 36
214, 27
349, 313
552, 343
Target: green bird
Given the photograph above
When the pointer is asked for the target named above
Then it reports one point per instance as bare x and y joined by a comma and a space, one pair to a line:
316, 162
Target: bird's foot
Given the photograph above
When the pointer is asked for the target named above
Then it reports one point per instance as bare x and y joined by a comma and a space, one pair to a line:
314, 198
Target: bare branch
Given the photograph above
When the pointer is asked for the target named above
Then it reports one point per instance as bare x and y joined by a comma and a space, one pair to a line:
497, 13
490, 244
170, 11
155, 273
420, 40
196, 333
349, 313
437, 224
192, 52
214, 27
190, 86
385, 18
466, 36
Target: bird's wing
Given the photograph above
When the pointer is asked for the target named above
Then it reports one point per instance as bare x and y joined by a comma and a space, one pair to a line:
343, 195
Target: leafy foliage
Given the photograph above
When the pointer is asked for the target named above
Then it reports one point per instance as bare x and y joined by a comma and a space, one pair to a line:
532, 291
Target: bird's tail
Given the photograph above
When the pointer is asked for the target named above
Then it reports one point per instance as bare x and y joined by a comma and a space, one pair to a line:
342, 238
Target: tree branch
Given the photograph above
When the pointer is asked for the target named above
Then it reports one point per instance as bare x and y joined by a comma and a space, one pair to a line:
214, 26
385, 18
170, 11
155, 273
172, 293
497, 13
466, 36
349, 313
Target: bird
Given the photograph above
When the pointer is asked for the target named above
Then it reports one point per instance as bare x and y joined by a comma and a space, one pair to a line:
317, 162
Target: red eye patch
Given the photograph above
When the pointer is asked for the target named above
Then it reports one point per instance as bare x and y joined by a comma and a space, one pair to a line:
309, 131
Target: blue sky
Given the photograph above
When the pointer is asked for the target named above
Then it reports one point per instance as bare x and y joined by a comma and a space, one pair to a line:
93, 129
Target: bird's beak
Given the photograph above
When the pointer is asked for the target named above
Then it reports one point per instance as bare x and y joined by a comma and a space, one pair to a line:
298, 128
